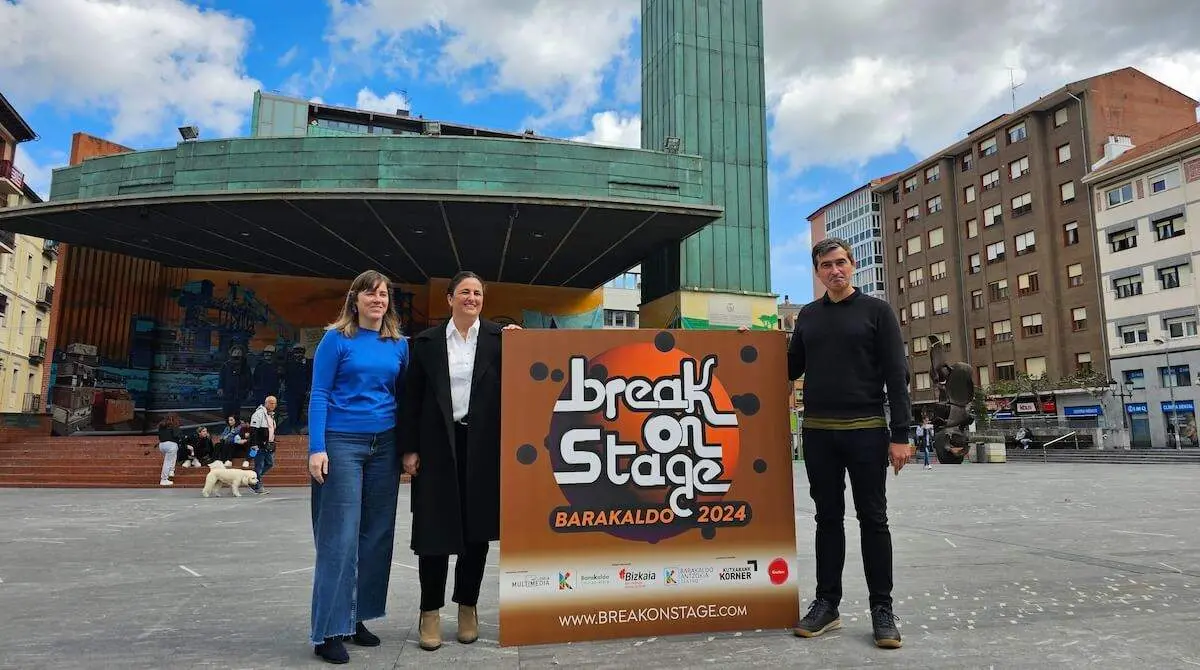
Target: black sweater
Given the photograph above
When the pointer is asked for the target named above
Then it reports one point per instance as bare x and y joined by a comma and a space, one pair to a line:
848, 352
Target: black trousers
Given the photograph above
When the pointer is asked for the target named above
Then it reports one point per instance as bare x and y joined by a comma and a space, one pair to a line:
468, 570
828, 456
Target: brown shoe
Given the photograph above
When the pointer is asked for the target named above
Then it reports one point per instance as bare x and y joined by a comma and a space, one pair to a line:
468, 624
431, 630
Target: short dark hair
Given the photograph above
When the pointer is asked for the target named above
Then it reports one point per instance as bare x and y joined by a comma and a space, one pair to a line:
830, 244
458, 279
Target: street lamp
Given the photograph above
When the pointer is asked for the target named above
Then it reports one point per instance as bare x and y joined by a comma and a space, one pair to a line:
1174, 379
1118, 390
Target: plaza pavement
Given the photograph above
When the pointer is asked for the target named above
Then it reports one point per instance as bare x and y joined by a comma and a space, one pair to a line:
997, 566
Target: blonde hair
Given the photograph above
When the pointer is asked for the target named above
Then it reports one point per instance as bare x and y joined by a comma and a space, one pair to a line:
347, 321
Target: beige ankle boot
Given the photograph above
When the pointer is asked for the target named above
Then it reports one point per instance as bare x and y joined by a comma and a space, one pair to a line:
431, 630
468, 624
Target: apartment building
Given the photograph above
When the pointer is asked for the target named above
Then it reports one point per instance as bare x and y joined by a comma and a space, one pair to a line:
27, 267
990, 243
623, 299
855, 217
1147, 203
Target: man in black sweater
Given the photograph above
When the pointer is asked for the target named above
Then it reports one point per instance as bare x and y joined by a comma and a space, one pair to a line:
848, 347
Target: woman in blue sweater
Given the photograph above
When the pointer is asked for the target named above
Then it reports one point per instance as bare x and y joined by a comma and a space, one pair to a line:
354, 465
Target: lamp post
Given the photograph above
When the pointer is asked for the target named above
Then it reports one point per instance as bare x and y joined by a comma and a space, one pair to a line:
1174, 379
1118, 390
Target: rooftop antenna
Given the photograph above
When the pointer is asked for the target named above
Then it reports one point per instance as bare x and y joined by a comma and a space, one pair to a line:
1013, 86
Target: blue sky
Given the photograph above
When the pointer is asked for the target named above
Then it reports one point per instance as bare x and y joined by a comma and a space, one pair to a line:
855, 90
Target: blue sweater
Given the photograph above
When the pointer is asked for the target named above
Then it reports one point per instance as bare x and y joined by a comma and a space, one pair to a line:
354, 385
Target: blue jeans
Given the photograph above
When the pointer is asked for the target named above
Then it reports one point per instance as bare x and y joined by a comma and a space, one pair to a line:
925, 451
354, 528
263, 462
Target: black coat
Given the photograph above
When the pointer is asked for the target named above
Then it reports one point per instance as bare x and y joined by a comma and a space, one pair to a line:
440, 525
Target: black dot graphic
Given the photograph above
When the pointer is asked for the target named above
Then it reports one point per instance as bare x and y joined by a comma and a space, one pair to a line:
746, 404
749, 354
539, 371
760, 466
526, 454
557, 375
664, 342
664, 434
599, 372
708, 532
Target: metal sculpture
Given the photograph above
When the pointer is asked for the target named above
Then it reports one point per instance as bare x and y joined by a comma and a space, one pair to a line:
953, 412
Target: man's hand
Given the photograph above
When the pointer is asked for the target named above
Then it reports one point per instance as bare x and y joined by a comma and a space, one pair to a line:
411, 463
898, 453
511, 326
318, 466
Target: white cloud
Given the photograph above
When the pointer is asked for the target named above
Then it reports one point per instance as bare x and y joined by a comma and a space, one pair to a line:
288, 56
36, 175
615, 129
557, 53
386, 104
848, 81
151, 64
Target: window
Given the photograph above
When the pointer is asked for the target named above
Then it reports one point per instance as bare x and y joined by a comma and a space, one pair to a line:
944, 338
620, 318
1002, 331
1075, 274
1135, 379
967, 162
1071, 234
937, 270
1067, 191
1083, 363
900, 284
1123, 239
998, 290
985, 376
933, 174
988, 147
937, 237
914, 245
1180, 326
1027, 284
1136, 333
922, 380
21, 324
903, 315
991, 180
1079, 319
910, 184
1169, 277
1035, 367
918, 309
913, 213
977, 299
1175, 376
992, 215
1025, 243
899, 223
1119, 195
972, 228
916, 277
920, 344
1064, 153
1060, 117
1006, 371
941, 305
1164, 181
1031, 325
1165, 229
899, 254
974, 263
980, 337
969, 194
1022, 204
1017, 133
1127, 287
995, 252
934, 204
1018, 168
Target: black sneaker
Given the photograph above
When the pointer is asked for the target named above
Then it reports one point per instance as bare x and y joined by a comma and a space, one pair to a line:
332, 651
363, 637
883, 620
822, 617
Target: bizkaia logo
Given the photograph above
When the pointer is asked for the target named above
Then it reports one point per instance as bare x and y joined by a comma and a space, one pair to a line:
636, 578
644, 443
778, 571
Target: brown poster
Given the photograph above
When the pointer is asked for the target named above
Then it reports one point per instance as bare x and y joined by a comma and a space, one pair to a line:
646, 481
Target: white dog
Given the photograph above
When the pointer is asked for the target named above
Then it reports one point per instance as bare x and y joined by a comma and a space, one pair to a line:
219, 476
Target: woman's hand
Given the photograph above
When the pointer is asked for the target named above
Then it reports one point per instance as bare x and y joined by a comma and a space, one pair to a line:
411, 462
318, 466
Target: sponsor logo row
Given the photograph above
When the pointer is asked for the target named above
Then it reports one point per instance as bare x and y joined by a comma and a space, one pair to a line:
569, 580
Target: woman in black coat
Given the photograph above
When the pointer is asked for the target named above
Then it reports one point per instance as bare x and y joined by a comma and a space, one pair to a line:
451, 447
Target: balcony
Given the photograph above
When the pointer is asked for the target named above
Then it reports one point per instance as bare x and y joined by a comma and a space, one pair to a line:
50, 249
37, 349
45, 295
12, 180
8, 242
32, 404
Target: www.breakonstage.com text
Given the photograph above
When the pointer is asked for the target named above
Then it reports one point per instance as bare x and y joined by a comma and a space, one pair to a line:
675, 613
